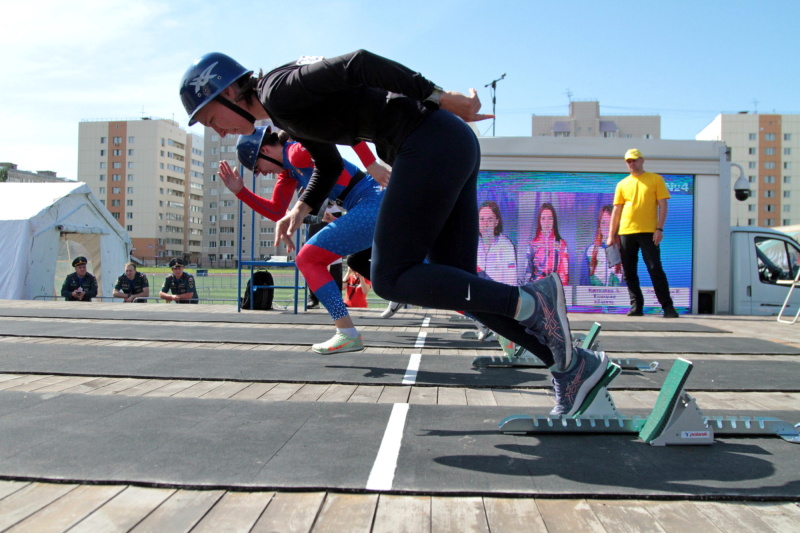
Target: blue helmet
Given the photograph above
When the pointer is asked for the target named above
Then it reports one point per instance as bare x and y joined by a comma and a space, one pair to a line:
206, 78
248, 148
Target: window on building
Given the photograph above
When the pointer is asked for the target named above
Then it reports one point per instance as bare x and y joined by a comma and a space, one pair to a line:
751, 151
114, 203
769, 151
751, 222
128, 228
787, 221
115, 190
116, 152
751, 179
769, 194
212, 205
116, 177
130, 164
129, 203
751, 208
129, 215
117, 140
769, 165
103, 202
102, 153
769, 179
751, 137
769, 136
787, 165
115, 215
787, 179
130, 177
102, 177
787, 194
787, 151
102, 190
787, 208
769, 208
130, 139
102, 164
751, 164
116, 164
102, 140
787, 136
130, 151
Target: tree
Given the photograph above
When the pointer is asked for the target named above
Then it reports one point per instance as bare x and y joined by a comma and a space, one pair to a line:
3, 174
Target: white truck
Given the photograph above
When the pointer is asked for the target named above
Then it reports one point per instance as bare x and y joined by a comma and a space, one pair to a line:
764, 265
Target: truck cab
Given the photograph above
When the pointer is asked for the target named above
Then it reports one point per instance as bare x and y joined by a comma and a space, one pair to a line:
765, 262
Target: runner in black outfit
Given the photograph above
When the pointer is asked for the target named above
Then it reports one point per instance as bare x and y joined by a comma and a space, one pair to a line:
430, 208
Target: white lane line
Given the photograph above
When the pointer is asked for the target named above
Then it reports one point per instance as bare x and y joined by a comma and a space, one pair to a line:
426, 322
413, 367
420, 340
382, 475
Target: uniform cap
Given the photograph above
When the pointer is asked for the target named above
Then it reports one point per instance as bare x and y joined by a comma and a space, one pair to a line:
80, 260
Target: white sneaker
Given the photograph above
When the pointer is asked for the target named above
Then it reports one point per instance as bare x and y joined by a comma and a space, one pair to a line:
339, 343
391, 309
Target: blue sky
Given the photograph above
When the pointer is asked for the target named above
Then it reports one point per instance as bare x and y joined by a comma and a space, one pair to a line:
684, 60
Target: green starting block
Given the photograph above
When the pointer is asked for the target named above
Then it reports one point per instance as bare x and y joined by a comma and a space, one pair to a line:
675, 419
524, 359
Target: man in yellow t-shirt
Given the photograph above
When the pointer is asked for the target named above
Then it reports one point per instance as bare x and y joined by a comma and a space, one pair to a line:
640, 211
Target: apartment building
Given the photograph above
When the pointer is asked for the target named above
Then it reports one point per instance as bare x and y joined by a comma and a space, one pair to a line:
767, 147
149, 175
11, 174
221, 210
585, 120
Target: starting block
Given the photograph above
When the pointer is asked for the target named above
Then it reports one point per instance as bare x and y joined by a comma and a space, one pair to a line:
675, 420
525, 359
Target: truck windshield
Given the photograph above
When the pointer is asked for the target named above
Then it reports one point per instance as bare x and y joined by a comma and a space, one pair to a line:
777, 260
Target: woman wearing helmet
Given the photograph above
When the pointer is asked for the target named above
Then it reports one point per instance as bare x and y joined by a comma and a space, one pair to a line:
269, 152
429, 209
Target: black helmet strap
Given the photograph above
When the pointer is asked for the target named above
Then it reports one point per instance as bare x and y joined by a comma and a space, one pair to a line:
270, 159
236, 109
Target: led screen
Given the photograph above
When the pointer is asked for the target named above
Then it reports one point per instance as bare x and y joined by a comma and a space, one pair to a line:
577, 205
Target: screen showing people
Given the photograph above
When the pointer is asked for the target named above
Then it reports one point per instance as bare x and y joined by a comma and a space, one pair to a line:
533, 224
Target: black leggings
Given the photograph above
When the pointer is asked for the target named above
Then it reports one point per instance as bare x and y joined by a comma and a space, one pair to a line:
430, 211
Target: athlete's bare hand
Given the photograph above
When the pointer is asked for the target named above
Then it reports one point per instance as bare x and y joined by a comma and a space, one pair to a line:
380, 172
230, 177
289, 224
463, 106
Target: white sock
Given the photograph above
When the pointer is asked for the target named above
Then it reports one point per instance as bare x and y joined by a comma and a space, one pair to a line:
350, 332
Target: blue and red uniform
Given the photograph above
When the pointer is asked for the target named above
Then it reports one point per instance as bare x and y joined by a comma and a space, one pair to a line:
360, 196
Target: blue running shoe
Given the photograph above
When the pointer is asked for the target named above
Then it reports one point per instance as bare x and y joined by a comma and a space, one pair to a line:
549, 322
573, 386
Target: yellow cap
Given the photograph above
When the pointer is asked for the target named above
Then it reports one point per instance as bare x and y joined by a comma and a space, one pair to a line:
633, 153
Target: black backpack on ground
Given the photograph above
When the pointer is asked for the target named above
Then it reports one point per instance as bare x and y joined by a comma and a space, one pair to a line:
262, 298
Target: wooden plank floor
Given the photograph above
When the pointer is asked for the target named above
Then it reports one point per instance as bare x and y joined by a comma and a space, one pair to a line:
27, 506
47, 507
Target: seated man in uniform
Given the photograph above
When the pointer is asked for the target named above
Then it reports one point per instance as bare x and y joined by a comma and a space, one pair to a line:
80, 286
180, 284
132, 285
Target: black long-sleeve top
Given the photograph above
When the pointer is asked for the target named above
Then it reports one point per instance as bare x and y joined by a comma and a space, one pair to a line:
344, 100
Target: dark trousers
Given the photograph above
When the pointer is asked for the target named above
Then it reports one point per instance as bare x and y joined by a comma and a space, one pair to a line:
651, 254
430, 212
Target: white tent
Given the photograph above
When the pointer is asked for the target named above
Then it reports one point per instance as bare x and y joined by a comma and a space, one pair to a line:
44, 226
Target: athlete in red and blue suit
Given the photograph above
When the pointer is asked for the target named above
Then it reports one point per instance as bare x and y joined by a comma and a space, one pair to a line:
265, 152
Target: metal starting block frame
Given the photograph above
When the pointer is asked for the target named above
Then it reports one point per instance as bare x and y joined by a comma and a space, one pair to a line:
676, 419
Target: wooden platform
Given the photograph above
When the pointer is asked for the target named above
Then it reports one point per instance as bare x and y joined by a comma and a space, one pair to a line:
37, 506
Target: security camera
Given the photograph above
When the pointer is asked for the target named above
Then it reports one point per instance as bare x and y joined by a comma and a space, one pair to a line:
742, 189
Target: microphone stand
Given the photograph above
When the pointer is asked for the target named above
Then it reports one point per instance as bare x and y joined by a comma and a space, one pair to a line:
493, 90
